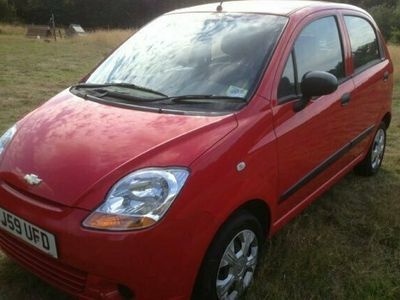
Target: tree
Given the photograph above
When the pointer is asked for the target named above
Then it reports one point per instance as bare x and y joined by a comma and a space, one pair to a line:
7, 12
135, 13
368, 3
385, 18
388, 20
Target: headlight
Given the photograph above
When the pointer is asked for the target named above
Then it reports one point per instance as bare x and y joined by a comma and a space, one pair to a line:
6, 138
139, 200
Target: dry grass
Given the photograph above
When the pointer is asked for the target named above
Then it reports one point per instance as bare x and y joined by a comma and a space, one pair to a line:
8, 29
395, 54
345, 246
103, 38
108, 38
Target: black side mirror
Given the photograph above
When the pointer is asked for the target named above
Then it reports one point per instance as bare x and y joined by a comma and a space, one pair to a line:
315, 84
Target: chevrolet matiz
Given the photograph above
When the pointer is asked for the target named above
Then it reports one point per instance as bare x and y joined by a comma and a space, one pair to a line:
161, 174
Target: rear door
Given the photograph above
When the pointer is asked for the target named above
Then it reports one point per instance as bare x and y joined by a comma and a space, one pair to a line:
312, 143
371, 73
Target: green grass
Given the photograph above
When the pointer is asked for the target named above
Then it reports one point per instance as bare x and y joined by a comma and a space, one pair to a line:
32, 71
345, 246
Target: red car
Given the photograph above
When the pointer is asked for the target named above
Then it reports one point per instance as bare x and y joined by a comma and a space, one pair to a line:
161, 174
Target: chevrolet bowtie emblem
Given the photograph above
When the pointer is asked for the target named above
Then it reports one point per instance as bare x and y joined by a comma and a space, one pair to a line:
32, 179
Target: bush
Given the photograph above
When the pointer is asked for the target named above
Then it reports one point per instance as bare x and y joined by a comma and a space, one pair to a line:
395, 36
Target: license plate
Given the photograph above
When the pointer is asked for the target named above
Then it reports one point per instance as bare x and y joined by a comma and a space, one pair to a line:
33, 235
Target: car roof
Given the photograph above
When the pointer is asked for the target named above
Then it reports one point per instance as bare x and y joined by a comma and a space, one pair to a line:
276, 7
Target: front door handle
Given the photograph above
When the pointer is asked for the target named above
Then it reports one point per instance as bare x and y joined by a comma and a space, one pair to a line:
386, 76
345, 100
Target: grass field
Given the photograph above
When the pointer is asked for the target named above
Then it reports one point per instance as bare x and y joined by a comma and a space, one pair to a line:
345, 246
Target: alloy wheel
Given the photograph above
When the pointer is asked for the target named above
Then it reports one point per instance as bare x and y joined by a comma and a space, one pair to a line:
378, 149
237, 266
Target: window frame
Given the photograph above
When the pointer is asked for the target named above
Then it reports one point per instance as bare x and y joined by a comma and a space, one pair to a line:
346, 77
382, 54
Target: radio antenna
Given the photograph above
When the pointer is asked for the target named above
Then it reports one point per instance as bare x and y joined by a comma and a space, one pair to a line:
219, 7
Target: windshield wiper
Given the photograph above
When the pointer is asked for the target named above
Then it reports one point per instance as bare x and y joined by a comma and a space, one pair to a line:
195, 99
199, 98
122, 85
104, 93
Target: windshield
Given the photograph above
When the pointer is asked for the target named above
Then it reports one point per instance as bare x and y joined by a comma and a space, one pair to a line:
194, 54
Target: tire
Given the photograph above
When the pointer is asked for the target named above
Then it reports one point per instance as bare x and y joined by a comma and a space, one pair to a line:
373, 161
217, 267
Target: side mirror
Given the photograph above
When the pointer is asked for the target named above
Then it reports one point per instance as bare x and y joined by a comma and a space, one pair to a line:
315, 84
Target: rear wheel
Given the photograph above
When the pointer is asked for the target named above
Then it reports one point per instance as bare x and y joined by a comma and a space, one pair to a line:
373, 161
231, 261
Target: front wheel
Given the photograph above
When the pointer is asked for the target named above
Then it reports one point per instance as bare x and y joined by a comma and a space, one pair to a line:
373, 161
231, 261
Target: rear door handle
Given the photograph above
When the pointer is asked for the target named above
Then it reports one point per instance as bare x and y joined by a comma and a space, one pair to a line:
345, 99
386, 76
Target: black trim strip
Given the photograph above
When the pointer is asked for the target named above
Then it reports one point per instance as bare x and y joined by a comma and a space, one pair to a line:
327, 163
160, 110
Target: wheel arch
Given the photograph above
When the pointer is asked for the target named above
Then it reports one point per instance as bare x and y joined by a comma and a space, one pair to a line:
256, 207
387, 119
260, 209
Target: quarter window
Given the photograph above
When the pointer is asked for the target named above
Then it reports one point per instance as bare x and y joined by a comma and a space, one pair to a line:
364, 42
287, 86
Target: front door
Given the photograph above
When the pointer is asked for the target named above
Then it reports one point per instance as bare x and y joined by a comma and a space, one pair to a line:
312, 142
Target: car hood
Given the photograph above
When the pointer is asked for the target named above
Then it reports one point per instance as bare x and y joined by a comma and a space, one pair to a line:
72, 145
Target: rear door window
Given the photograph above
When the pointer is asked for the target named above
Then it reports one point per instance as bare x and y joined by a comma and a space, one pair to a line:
364, 42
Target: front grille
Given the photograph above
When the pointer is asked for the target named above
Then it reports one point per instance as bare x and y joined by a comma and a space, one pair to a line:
64, 277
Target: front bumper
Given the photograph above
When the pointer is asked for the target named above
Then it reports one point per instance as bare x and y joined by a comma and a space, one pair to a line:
153, 263
64, 277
